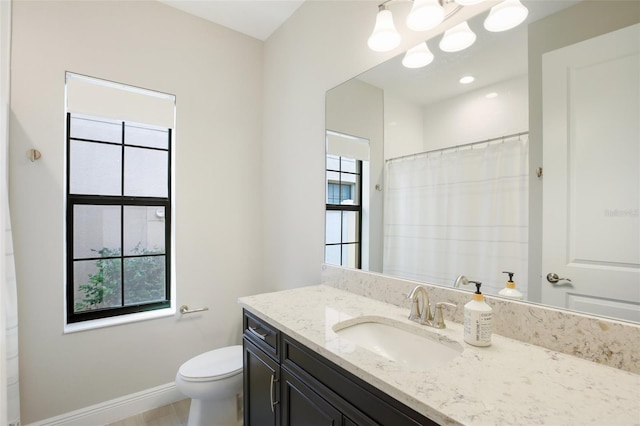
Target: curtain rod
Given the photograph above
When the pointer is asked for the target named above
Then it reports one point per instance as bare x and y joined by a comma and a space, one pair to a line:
502, 138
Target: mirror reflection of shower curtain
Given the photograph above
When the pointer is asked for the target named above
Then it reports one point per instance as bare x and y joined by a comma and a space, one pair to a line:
459, 211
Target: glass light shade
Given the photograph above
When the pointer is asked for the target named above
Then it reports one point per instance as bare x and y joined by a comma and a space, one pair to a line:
425, 15
384, 36
468, 2
457, 38
506, 15
418, 56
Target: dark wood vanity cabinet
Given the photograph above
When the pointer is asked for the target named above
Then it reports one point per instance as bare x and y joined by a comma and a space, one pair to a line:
286, 383
261, 373
261, 377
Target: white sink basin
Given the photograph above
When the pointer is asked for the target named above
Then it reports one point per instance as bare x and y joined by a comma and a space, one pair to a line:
414, 349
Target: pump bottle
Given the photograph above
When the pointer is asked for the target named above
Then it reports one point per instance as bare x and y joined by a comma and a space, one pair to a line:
510, 289
478, 319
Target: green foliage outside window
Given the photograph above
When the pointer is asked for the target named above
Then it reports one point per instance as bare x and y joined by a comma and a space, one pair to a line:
144, 277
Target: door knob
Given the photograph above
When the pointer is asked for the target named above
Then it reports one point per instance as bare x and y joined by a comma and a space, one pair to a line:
554, 278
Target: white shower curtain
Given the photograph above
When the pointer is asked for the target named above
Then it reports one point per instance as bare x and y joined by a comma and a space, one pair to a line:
9, 385
459, 211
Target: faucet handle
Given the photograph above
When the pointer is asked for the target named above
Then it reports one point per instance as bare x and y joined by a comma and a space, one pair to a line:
415, 310
439, 318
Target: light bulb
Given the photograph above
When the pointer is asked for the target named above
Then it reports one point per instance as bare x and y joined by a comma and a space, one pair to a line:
384, 36
425, 15
418, 56
506, 15
457, 38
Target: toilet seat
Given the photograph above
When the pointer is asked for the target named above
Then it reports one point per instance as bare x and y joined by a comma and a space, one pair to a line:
213, 365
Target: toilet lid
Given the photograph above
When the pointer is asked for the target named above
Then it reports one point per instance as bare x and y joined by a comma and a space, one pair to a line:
213, 365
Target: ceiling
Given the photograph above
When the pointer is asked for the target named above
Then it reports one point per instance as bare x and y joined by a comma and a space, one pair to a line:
255, 18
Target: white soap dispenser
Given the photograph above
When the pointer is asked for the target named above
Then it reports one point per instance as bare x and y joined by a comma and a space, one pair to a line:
478, 319
510, 289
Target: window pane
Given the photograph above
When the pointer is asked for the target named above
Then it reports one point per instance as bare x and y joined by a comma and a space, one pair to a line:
333, 162
350, 255
97, 130
96, 231
332, 255
345, 192
144, 279
333, 226
349, 180
333, 193
333, 188
96, 284
146, 136
348, 164
144, 230
333, 177
146, 172
95, 168
349, 227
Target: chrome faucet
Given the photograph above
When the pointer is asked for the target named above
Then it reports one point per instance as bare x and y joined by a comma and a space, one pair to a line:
423, 315
420, 315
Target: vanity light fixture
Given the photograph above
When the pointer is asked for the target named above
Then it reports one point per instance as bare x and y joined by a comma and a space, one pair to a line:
425, 15
428, 14
457, 38
506, 15
385, 37
418, 56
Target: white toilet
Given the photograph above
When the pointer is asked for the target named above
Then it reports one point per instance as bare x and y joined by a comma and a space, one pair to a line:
213, 381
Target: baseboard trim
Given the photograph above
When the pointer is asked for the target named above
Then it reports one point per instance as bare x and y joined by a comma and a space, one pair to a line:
117, 409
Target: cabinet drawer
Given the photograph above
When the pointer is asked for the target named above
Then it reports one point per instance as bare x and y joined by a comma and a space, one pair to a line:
261, 334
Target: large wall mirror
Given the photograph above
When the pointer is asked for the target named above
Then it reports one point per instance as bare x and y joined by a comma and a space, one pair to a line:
532, 168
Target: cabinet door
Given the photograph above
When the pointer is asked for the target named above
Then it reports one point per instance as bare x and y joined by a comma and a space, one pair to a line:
303, 407
261, 387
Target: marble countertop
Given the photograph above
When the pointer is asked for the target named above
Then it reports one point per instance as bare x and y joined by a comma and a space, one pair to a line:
507, 383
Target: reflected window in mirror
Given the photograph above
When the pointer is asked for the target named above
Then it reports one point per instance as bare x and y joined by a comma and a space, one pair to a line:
339, 192
343, 217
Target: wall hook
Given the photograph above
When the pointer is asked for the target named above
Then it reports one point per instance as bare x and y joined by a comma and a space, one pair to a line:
34, 155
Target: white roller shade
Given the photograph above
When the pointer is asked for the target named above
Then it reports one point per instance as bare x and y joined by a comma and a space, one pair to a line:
347, 146
101, 98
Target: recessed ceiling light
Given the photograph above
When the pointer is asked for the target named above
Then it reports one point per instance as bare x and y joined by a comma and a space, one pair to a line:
491, 95
467, 79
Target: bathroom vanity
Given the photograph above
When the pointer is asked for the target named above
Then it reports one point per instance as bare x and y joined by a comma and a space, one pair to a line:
286, 383
299, 369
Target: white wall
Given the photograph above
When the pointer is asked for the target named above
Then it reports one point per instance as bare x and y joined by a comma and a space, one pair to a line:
472, 117
403, 127
216, 75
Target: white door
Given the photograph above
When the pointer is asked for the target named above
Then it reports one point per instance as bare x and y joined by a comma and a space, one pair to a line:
591, 181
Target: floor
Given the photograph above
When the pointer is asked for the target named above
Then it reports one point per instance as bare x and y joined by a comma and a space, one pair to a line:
175, 414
